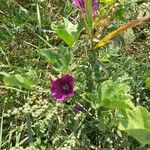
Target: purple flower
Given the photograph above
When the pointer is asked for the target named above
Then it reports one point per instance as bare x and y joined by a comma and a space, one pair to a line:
62, 88
78, 108
81, 5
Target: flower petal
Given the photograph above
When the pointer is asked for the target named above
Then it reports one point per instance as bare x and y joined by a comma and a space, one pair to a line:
57, 87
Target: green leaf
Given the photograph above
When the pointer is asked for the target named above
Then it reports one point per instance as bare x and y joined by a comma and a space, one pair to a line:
26, 80
65, 60
147, 81
115, 95
70, 28
137, 124
67, 31
146, 78
64, 35
50, 55
60, 59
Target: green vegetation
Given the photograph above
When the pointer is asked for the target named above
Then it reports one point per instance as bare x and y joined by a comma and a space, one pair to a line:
41, 40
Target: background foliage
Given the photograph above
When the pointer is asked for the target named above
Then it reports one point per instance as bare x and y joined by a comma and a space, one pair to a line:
42, 39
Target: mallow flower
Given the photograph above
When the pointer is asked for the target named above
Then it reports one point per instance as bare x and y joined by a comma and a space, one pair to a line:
62, 88
81, 5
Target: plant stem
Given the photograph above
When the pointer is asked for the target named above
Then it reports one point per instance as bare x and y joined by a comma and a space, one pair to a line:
30, 135
90, 33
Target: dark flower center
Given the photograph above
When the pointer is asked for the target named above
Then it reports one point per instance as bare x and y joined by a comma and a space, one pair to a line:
66, 87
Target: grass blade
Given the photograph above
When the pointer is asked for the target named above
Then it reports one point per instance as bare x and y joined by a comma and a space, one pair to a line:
1, 130
121, 29
30, 135
38, 17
